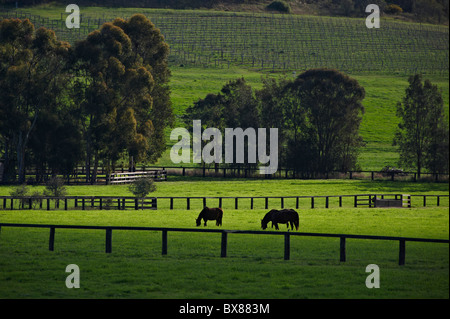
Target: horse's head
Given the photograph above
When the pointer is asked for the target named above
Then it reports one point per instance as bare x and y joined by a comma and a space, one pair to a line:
198, 221
263, 224
267, 218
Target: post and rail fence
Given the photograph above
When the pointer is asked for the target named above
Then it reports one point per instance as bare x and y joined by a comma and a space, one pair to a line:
251, 202
79, 175
224, 237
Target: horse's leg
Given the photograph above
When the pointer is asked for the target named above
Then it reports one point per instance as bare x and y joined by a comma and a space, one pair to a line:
205, 221
276, 226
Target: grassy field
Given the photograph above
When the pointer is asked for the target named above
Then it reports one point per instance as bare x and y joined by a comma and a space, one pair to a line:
254, 267
208, 49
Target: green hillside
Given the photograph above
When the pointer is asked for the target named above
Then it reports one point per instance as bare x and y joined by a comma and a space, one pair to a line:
209, 48
273, 42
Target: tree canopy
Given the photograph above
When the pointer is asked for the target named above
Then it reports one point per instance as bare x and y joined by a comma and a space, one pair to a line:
317, 115
422, 136
105, 99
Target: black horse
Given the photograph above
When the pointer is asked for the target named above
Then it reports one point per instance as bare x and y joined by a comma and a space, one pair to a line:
284, 216
210, 214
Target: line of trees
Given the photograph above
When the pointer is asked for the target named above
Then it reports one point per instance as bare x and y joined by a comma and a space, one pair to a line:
104, 99
318, 117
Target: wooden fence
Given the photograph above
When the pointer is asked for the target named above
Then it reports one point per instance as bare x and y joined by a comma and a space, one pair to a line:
78, 175
289, 173
125, 202
325, 201
129, 177
77, 202
224, 237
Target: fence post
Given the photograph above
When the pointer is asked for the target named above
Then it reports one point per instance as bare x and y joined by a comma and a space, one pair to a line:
251, 202
267, 202
51, 241
312, 201
188, 203
236, 203
342, 249
356, 201
282, 202
171, 202
287, 246
204, 201
326, 202
223, 245
296, 203
108, 244
402, 253
220, 202
164, 242
340, 201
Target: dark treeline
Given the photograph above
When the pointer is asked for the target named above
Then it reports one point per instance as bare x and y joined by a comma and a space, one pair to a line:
317, 115
103, 100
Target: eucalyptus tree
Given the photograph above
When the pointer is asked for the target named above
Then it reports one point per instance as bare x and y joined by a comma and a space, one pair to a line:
32, 64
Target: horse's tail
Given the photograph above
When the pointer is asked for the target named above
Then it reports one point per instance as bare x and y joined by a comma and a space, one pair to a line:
219, 217
296, 221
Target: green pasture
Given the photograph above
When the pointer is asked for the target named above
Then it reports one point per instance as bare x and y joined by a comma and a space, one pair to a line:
254, 267
378, 125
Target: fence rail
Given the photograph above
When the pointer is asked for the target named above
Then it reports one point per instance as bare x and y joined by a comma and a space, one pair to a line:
129, 177
289, 173
124, 202
325, 201
224, 237
78, 175
77, 202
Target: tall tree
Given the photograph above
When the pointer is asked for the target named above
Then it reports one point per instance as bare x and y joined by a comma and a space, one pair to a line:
422, 135
234, 107
333, 105
122, 90
31, 77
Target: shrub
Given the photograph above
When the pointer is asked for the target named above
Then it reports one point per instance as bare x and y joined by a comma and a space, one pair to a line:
142, 186
20, 191
280, 6
393, 9
55, 187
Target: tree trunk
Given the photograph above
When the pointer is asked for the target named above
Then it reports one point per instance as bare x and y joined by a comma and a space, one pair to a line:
21, 158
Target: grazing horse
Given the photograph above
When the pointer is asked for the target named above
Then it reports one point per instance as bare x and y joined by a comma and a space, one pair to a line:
284, 216
210, 214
